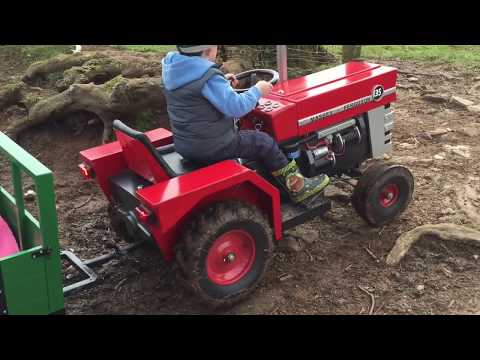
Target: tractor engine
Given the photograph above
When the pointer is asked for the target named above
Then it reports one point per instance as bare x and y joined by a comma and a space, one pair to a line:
331, 121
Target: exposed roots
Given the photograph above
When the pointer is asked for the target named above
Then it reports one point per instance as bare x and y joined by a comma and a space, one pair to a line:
10, 95
440, 231
109, 84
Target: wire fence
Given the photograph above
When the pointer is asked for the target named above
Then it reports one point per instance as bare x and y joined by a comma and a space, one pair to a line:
302, 59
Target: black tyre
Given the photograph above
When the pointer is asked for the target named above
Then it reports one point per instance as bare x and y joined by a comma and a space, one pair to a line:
366, 177
225, 253
382, 193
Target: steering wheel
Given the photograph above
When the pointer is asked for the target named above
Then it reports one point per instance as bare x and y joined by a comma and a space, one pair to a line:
249, 78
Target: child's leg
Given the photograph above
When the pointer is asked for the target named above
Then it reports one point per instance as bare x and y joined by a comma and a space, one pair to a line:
256, 145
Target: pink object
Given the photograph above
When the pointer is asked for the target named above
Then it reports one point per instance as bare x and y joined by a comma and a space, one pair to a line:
8, 244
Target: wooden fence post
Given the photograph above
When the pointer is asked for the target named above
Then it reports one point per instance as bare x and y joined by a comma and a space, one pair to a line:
351, 52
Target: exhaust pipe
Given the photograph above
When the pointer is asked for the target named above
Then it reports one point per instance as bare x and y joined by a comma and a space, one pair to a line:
282, 62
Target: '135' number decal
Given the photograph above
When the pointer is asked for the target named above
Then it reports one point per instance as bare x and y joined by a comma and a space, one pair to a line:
377, 93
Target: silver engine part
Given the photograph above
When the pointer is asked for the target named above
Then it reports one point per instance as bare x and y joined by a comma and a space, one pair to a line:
380, 123
321, 157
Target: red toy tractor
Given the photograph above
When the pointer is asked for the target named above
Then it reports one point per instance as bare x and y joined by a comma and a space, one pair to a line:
220, 222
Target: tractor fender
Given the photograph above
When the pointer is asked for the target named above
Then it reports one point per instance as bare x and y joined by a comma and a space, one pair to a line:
176, 200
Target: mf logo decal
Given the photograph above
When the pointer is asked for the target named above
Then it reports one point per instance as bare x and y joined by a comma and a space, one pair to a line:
377, 93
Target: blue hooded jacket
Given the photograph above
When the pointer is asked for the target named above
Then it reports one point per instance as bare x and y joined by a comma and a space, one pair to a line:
179, 70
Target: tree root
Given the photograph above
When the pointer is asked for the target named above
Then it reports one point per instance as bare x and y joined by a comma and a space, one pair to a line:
441, 231
116, 98
41, 69
10, 95
372, 299
107, 84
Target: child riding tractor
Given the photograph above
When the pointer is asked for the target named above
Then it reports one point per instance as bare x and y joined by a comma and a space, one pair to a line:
241, 166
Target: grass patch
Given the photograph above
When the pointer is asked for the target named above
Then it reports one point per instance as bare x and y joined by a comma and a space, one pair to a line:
147, 48
468, 55
460, 54
463, 55
28, 54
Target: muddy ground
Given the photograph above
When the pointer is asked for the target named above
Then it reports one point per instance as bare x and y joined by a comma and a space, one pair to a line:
324, 277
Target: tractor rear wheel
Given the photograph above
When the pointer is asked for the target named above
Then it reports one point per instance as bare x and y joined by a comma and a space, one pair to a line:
382, 193
225, 253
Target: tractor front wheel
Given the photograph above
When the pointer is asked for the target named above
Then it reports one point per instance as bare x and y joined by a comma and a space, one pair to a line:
225, 253
382, 193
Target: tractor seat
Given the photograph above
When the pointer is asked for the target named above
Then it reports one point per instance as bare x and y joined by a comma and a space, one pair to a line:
178, 164
172, 162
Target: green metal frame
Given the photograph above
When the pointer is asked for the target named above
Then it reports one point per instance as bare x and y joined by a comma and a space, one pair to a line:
31, 280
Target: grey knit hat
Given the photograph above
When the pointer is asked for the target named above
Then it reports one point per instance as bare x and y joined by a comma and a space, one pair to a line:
192, 49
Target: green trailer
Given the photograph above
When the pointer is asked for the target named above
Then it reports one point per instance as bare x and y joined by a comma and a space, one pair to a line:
31, 278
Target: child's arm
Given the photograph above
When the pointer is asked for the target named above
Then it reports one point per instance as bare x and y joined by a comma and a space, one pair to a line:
219, 92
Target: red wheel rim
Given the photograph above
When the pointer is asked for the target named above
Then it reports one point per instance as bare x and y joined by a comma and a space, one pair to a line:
231, 257
389, 195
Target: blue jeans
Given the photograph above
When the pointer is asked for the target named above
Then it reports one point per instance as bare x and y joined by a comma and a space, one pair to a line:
254, 145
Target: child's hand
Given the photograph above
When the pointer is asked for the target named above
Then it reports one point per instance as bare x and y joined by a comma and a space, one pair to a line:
264, 87
233, 80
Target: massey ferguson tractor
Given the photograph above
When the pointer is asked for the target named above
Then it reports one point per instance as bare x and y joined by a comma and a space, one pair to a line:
220, 222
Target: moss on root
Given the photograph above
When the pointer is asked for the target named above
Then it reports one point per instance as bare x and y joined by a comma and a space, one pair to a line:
110, 85
94, 70
29, 100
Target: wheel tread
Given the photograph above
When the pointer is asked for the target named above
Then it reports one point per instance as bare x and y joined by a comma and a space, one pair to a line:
200, 234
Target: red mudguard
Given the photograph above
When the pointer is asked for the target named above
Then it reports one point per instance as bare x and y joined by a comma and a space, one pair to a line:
175, 200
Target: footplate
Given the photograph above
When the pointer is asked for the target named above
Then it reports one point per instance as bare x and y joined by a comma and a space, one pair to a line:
296, 214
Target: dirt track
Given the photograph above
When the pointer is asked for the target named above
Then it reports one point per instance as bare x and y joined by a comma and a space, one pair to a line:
323, 278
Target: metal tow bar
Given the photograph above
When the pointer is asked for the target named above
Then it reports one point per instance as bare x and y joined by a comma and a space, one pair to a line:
85, 267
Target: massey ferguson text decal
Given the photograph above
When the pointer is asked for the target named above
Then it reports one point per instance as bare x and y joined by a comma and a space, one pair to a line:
377, 94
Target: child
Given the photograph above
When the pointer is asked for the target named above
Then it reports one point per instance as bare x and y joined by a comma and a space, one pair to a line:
201, 105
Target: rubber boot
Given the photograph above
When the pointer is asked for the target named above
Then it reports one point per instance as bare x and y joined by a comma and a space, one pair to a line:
300, 188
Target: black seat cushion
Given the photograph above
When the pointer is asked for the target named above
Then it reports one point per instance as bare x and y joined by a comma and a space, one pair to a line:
181, 166
178, 164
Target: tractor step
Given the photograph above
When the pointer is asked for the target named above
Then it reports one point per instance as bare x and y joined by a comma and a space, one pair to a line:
296, 214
